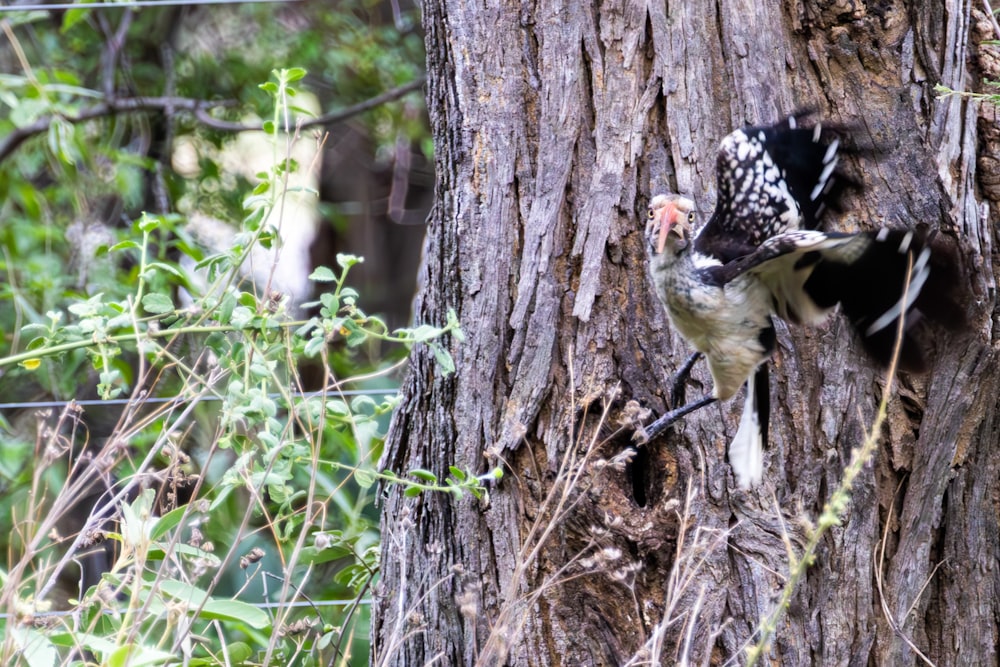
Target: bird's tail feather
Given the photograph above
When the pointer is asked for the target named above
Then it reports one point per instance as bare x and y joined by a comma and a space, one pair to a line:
746, 451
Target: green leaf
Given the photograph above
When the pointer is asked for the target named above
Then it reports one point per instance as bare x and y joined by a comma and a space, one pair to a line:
356, 337
166, 268
226, 308
62, 140
365, 477
24, 17
125, 245
159, 552
425, 475
314, 346
423, 333
192, 596
36, 650
131, 655
314, 556
347, 261
236, 611
363, 404
241, 317
87, 640
167, 522
338, 408
237, 653
294, 74
303, 112
330, 302
443, 358
322, 275
72, 17
157, 304
455, 326
148, 223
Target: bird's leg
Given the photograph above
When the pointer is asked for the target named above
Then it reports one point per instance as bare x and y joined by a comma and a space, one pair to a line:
680, 379
665, 420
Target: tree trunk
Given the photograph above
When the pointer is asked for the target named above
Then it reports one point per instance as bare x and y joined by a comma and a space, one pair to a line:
554, 124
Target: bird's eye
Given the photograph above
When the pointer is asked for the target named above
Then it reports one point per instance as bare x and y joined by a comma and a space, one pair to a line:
651, 214
691, 216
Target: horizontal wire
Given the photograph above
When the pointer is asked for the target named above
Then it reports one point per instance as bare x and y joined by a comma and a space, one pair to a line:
134, 3
258, 605
179, 399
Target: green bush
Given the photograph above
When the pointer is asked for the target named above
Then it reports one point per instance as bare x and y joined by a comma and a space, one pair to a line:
239, 506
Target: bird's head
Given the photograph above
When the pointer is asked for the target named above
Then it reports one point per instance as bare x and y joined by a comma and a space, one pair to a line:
669, 223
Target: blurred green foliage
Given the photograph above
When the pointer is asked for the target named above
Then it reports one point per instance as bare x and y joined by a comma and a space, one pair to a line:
91, 250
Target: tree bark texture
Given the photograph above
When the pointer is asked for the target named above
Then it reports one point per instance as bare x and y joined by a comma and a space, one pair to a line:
554, 124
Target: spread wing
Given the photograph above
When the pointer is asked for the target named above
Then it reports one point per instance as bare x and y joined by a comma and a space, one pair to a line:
771, 180
809, 272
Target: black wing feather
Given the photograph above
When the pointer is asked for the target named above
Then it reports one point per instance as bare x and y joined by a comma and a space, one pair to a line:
770, 180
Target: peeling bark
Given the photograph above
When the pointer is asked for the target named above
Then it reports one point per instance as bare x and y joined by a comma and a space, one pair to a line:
554, 124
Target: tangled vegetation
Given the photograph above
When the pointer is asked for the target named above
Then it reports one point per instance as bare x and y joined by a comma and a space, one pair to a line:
189, 456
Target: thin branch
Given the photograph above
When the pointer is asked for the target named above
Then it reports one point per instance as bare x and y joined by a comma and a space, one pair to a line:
113, 47
123, 105
199, 108
331, 118
992, 17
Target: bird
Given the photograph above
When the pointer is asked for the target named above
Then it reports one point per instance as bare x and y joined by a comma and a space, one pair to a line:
762, 254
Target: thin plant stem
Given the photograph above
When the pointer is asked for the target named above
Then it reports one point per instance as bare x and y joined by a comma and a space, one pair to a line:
836, 506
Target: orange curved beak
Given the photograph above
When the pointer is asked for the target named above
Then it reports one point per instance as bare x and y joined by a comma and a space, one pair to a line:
668, 218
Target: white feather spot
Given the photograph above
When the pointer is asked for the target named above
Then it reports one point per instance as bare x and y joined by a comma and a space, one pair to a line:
831, 151
904, 245
882, 235
823, 178
742, 150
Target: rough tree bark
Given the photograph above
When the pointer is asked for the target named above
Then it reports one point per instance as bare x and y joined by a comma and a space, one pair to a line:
554, 123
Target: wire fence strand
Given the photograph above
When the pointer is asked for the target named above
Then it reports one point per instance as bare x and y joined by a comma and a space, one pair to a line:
23, 405
135, 3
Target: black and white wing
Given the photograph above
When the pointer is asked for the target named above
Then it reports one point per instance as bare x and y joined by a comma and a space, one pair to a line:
771, 180
809, 272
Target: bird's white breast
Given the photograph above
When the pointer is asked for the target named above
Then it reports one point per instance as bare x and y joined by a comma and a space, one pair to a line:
723, 323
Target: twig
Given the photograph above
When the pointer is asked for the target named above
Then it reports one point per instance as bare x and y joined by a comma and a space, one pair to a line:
332, 118
993, 18
107, 108
198, 108
113, 47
